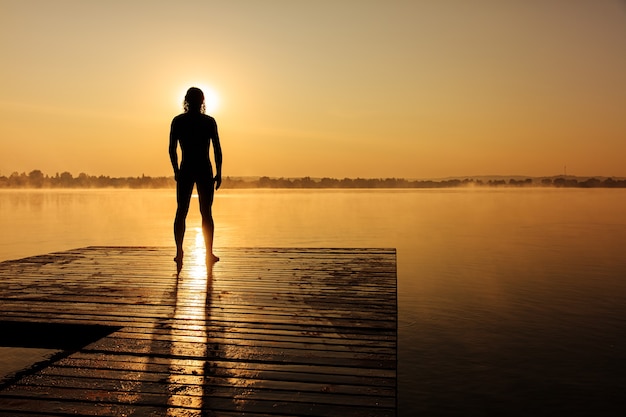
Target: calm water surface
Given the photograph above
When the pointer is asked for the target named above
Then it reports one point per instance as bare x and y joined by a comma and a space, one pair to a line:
511, 301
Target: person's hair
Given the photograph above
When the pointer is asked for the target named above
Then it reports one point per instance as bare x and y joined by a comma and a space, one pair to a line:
194, 101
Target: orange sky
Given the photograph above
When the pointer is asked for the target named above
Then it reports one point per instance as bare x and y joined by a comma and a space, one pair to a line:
415, 89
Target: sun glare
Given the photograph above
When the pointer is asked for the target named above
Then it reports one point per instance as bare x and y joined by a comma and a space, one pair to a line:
211, 98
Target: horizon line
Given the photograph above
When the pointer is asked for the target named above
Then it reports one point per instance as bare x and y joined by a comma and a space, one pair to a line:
319, 177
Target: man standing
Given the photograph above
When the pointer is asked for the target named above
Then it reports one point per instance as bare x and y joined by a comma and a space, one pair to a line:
195, 131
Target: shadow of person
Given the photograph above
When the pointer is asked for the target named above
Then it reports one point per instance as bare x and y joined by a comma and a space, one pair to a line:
212, 345
192, 319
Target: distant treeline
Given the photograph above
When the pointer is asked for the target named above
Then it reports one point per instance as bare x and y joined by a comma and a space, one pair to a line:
37, 179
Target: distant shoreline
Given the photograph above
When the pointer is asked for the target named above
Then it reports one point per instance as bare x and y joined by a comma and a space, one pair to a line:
37, 179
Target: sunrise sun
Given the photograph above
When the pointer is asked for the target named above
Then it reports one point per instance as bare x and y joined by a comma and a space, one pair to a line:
211, 98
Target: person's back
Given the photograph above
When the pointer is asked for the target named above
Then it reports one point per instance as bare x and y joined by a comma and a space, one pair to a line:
194, 131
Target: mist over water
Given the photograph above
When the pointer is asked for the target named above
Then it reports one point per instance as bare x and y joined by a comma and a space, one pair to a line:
511, 301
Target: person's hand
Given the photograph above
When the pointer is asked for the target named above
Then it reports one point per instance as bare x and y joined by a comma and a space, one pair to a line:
218, 181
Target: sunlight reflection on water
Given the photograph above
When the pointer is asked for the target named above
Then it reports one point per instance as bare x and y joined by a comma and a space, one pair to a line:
520, 291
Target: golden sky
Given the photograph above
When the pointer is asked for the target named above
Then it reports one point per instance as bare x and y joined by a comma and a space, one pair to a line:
349, 88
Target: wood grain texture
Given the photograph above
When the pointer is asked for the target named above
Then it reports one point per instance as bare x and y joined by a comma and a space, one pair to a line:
263, 332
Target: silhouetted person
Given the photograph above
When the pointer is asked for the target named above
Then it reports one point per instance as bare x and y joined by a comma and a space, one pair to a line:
194, 131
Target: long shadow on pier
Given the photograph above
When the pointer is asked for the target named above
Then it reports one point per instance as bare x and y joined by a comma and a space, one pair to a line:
267, 331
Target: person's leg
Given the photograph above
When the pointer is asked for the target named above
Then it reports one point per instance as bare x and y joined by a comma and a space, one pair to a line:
205, 197
184, 188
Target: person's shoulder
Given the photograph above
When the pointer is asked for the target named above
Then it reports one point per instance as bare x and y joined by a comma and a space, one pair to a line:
178, 118
210, 121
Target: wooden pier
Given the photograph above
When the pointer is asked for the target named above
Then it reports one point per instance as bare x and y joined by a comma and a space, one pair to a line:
263, 332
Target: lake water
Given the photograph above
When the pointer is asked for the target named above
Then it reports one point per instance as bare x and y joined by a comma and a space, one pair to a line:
511, 301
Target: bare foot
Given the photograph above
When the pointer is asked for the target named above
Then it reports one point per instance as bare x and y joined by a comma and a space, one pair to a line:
212, 258
179, 261
179, 257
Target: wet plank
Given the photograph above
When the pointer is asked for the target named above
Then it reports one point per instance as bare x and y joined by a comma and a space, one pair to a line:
263, 332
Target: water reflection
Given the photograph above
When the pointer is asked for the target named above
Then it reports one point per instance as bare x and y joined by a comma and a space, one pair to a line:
494, 286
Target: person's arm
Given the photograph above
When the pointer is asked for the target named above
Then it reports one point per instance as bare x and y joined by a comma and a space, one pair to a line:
173, 153
217, 152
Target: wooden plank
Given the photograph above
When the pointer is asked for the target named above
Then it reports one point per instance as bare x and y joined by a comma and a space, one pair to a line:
265, 331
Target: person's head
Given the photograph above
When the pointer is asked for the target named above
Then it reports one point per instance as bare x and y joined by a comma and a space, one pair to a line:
194, 100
